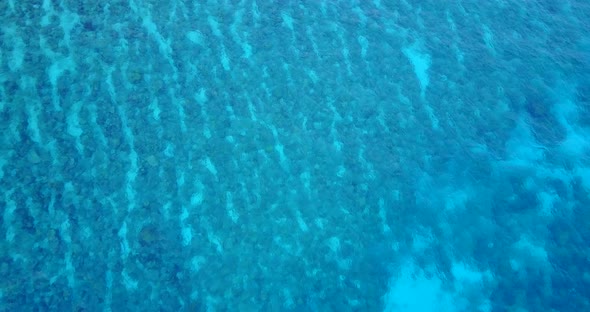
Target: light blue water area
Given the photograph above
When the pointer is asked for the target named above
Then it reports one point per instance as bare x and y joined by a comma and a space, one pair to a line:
421, 62
294, 156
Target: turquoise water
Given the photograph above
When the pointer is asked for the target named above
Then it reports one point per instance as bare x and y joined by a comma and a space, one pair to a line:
294, 155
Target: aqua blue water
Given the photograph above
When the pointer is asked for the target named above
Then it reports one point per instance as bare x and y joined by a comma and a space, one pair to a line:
295, 155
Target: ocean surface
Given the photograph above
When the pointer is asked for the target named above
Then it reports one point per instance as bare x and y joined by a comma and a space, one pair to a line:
299, 156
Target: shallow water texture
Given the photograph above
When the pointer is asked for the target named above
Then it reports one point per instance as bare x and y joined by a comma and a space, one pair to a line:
294, 155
